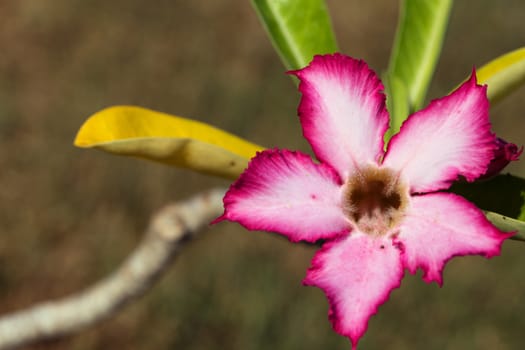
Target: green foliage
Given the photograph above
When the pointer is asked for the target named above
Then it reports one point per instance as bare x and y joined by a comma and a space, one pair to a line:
417, 45
503, 199
522, 214
298, 29
508, 224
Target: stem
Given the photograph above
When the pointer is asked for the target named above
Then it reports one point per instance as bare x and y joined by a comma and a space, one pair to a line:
167, 233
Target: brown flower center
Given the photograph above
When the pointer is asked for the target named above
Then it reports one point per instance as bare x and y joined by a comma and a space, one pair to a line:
374, 200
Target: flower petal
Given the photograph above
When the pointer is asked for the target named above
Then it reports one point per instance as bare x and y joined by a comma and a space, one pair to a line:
342, 111
439, 226
505, 153
357, 274
449, 138
286, 192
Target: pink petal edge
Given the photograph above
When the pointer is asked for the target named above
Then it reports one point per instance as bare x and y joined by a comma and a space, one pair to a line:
357, 274
342, 111
449, 138
505, 153
440, 226
286, 192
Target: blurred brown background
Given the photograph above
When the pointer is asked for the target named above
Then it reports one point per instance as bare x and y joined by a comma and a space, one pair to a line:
68, 216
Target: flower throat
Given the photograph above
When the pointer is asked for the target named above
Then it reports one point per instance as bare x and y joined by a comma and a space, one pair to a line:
374, 200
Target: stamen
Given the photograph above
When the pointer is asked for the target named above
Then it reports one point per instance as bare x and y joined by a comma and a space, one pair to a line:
374, 200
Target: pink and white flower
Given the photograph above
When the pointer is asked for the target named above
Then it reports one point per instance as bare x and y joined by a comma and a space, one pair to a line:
377, 212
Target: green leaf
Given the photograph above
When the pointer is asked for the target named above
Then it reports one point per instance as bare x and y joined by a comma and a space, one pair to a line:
507, 224
503, 74
417, 45
501, 194
143, 133
398, 108
503, 197
298, 29
522, 214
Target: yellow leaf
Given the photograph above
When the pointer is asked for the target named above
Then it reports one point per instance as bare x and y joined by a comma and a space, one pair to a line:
503, 74
140, 132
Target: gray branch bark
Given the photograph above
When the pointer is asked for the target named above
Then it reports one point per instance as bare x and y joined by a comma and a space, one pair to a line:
168, 230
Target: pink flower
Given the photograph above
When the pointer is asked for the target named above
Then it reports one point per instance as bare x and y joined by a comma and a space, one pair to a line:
377, 212
505, 153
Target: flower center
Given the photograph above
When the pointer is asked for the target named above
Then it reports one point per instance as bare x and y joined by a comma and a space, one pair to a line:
374, 200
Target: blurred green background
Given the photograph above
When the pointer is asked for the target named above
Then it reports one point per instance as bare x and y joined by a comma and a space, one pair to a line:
68, 216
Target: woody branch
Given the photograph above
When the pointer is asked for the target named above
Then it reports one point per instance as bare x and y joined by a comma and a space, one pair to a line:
168, 230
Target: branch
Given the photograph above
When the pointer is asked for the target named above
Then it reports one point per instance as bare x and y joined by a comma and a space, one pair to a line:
169, 229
